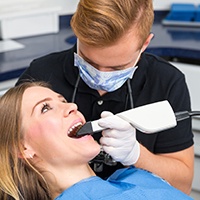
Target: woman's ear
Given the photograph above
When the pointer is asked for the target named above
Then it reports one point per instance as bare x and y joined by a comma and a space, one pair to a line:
28, 153
147, 42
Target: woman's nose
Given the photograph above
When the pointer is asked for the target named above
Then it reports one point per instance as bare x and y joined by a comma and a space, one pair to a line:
70, 108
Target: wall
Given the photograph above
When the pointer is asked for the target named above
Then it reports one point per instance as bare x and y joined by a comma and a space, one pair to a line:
67, 6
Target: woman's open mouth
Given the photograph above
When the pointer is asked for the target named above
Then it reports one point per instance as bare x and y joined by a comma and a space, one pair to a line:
72, 132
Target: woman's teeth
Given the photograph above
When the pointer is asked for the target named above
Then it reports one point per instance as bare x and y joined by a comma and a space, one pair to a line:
73, 130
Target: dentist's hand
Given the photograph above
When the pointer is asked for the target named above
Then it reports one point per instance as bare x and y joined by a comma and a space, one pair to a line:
119, 140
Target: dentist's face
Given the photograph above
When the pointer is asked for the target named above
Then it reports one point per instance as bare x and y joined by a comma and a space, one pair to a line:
46, 122
121, 55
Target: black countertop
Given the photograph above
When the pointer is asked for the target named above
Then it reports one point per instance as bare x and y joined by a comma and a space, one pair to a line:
180, 42
170, 42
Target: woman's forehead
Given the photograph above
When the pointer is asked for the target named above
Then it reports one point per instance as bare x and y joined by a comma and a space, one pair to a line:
35, 94
38, 92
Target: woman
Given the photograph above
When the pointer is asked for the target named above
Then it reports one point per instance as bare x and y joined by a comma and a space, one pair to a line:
38, 159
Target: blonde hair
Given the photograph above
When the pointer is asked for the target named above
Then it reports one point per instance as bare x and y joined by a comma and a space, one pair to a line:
19, 179
104, 22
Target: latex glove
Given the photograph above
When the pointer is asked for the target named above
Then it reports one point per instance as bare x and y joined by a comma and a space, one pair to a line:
119, 140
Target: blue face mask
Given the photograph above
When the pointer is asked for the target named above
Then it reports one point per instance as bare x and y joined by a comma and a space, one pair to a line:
99, 80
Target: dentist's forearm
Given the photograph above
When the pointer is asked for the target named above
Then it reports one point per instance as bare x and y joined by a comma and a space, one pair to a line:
176, 168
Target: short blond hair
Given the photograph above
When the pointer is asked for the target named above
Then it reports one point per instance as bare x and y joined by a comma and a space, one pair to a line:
104, 22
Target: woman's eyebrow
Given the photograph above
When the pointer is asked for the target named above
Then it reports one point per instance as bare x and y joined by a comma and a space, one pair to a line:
42, 100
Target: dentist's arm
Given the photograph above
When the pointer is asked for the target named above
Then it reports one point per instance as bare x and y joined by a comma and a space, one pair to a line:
120, 142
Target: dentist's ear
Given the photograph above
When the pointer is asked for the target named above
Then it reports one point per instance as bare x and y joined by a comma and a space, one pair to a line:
147, 42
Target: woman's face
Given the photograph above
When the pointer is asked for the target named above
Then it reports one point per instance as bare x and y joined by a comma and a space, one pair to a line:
46, 121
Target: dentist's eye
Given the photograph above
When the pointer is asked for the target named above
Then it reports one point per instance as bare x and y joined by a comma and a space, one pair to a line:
46, 107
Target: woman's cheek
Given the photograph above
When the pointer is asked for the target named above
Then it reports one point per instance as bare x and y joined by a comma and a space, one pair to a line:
81, 116
33, 132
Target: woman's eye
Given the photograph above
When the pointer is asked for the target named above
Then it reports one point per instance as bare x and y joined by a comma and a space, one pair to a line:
45, 108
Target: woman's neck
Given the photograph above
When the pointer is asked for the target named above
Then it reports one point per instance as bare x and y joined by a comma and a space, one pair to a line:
60, 180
